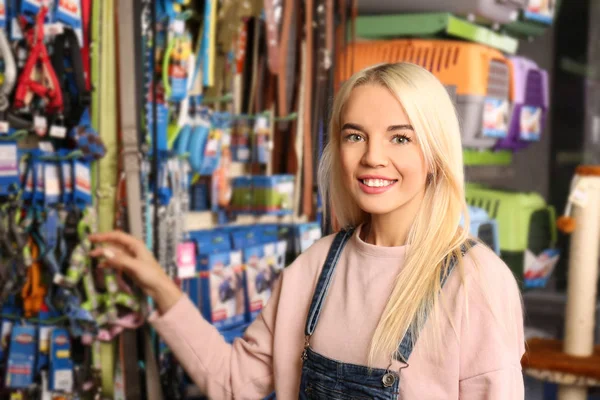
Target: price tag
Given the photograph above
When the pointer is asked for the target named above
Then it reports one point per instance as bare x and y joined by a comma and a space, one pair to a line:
226, 139
45, 339
186, 260
315, 234
178, 26
235, 258
40, 125
51, 182
46, 147
63, 380
269, 249
243, 154
53, 29
211, 146
579, 197
261, 124
4, 127
6, 331
9, 162
59, 132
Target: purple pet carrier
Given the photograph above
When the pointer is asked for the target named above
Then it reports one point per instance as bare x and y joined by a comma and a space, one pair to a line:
530, 107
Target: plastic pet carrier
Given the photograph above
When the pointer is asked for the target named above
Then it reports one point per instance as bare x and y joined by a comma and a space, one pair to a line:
527, 231
484, 228
530, 104
499, 11
481, 76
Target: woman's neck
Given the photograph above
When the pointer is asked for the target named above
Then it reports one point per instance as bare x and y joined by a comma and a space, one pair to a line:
391, 230
383, 232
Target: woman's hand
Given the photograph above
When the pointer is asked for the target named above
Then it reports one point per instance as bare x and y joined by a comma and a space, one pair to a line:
125, 253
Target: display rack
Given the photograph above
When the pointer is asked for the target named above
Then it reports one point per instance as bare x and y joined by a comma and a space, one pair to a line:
487, 157
432, 25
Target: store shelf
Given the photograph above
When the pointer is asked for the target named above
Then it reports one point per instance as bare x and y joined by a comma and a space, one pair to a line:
202, 220
487, 157
583, 70
431, 25
525, 29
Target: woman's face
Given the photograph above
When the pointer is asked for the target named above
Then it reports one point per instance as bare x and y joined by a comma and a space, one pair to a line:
382, 162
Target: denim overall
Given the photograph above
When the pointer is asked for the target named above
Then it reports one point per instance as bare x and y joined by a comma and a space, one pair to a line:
327, 379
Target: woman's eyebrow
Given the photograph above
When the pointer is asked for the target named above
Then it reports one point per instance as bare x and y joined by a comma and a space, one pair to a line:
400, 128
356, 127
390, 128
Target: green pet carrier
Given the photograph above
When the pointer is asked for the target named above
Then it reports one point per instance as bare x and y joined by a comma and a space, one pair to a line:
527, 231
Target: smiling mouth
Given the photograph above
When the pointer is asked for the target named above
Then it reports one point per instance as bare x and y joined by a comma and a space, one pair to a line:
377, 183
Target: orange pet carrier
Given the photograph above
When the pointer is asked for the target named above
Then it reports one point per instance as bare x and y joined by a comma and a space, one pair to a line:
480, 76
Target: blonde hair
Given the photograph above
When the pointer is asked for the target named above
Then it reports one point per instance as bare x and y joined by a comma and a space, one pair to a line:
435, 235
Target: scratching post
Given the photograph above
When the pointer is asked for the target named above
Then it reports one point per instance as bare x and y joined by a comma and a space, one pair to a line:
583, 273
574, 364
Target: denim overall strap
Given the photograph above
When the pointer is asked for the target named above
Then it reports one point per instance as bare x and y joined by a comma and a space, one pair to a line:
406, 345
339, 242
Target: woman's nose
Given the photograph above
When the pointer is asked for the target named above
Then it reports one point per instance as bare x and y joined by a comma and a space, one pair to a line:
375, 155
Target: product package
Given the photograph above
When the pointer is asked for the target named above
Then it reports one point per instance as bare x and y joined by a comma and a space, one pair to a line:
264, 264
221, 296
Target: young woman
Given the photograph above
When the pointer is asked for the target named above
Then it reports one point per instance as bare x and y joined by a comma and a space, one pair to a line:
400, 303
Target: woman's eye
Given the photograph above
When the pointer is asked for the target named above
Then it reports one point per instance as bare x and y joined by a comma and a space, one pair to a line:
401, 139
353, 137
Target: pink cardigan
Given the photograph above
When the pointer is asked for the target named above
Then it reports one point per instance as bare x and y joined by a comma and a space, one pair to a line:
481, 328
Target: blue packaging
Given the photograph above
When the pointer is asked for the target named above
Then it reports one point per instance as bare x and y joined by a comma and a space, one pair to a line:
264, 264
210, 241
306, 235
246, 237
198, 140
200, 197
162, 115
38, 189
222, 288
69, 13
231, 334
20, 369
8, 309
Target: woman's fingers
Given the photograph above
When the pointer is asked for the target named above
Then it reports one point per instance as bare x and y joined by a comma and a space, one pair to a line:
116, 258
134, 246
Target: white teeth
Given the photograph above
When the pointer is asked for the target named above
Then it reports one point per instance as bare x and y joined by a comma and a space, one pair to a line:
377, 182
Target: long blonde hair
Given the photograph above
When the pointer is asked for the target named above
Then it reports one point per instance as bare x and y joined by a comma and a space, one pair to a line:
435, 235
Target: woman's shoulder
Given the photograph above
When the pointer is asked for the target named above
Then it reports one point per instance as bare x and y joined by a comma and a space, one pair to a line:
485, 272
482, 260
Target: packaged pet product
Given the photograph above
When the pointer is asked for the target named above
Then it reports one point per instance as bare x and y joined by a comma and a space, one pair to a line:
241, 199
222, 289
264, 264
273, 194
306, 235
